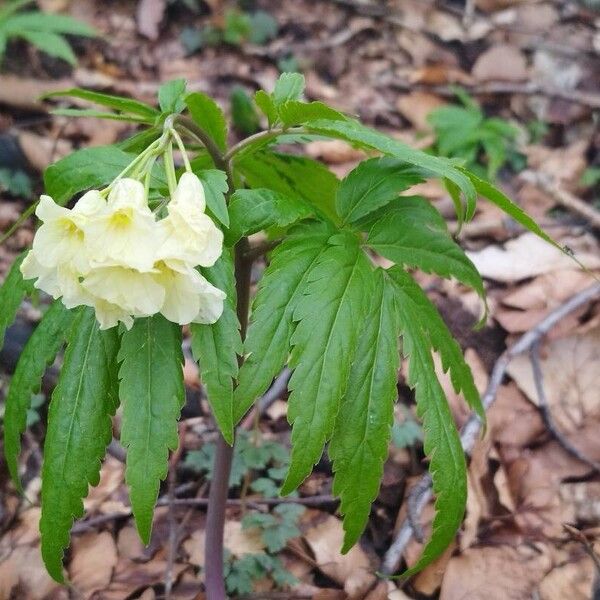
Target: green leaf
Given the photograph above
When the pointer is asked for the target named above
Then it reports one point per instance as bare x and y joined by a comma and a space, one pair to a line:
152, 394
243, 113
96, 114
253, 210
373, 184
215, 187
442, 341
140, 141
263, 27
52, 44
39, 352
292, 176
329, 315
216, 347
170, 96
281, 286
125, 105
414, 233
494, 195
36, 21
359, 445
208, 115
12, 292
79, 429
442, 443
353, 131
88, 168
289, 86
294, 112
265, 102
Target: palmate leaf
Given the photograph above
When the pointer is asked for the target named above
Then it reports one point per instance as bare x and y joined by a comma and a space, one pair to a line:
289, 86
359, 445
152, 393
79, 429
209, 116
414, 233
356, 133
216, 347
442, 443
40, 351
442, 341
170, 96
12, 292
329, 315
282, 284
292, 176
294, 112
373, 184
254, 210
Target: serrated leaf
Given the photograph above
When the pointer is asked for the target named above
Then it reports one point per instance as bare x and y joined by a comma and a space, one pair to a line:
442, 443
152, 393
373, 184
52, 44
253, 210
170, 96
268, 341
265, 103
243, 113
96, 114
294, 112
353, 131
289, 86
413, 233
125, 105
39, 352
48, 22
216, 347
328, 315
215, 187
293, 176
12, 292
209, 116
89, 168
359, 445
79, 429
442, 341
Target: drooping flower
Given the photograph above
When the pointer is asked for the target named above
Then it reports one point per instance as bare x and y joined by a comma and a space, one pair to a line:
187, 233
125, 233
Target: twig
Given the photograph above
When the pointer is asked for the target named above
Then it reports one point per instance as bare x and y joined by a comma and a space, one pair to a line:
471, 428
538, 378
562, 196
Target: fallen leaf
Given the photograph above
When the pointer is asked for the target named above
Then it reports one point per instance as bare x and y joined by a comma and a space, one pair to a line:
501, 63
94, 558
564, 165
333, 151
416, 107
494, 573
585, 498
508, 263
352, 570
149, 15
573, 580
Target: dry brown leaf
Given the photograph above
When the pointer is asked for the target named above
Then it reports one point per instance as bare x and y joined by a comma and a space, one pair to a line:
564, 165
571, 378
111, 477
500, 63
25, 93
573, 580
430, 579
42, 151
585, 498
528, 256
494, 573
493, 5
129, 544
352, 570
94, 558
149, 15
416, 107
333, 151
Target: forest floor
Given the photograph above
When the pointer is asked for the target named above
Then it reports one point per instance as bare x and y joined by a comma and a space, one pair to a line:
532, 526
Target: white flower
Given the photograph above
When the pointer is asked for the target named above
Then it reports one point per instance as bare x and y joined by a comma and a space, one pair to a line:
109, 315
189, 296
187, 233
61, 238
125, 233
136, 293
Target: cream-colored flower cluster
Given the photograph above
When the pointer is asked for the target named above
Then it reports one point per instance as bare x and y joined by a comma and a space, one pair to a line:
116, 257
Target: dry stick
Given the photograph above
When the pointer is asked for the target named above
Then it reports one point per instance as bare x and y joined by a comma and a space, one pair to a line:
538, 378
562, 196
422, 492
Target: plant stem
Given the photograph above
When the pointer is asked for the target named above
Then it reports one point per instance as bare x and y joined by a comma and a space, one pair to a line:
261, 135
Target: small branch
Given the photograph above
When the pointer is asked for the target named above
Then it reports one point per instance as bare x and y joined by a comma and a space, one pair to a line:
259, 250
261, 135
538, 378
562, 196
422, 493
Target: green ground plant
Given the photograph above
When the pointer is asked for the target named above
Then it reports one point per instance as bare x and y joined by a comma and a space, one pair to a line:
323, 307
